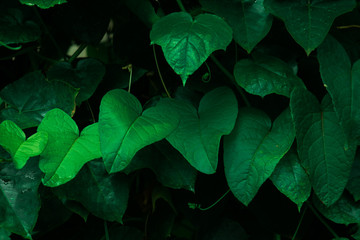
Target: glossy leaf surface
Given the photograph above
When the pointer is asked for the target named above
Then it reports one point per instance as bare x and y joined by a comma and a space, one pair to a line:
43, 3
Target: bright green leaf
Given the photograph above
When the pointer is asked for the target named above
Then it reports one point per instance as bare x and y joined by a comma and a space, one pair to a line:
343, 85
11, 136
253, 149
353, 185
264, 75
290, 178
322, 145
125, 128
66, 151
248, 19
42, 3
86, 76
28, 99
19, 198
187, 43
198, 136
308, 22
104, 195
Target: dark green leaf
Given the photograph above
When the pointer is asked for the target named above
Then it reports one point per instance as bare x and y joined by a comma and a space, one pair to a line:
253, 149
187, 43
28, 99
322, 146
264, 75
248, 19
4, 234
42, 3
225, 229
143, 10
124, 233
356, 235
353, 185
125, 128
19, 199
308, 22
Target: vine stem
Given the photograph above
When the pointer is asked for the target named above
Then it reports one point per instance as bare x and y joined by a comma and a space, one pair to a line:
77, 52
323, 221
181, 5
9, 47
231, 78
348, 26
300, 221
106, 231
217, 201
158, 69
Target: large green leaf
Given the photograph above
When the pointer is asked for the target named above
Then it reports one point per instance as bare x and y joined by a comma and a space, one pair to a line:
66, 151
353, 185
104, 195
248, 19
308, 22
169, 166
4, 234
12, 139
322, 145
264, 75
19, 198
86, 76
188, 42
290, 178
198, 136
42, 3
28, 99
343, 85
125, 128
253, 149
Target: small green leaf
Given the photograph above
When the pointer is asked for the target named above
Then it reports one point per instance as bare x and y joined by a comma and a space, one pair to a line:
187, 43
353, 185
248, 19
253, 149
86, 76
264, 75
11, 136
66, 151
308, 22
198, 135
125, 128
322, 145
290, 178
42, 3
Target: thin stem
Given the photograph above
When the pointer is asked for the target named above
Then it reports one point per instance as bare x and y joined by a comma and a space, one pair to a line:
77, 52
231, 78
9, 47
91, 112
217, 201
323, 221
106, 231
158, 69
348, 26
23, 51
129, 68
181, 6
299, 224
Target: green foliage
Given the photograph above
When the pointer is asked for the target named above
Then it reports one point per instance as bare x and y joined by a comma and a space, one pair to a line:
42, 3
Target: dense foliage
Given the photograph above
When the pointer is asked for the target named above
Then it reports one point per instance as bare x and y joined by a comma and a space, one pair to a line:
187, 120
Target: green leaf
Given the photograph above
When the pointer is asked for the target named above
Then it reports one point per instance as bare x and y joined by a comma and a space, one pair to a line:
248, 19
322, 145
4, 234
86, 76
308, 22
28, 99
124, 233
225, 229
125, 128
15, 28
42, 3
187, 43
264, 75
253, 149
290, 178
198, 135
103, 195
353, 185
19, 198
169, 166
343, 85
66, 151
356, 235
143, 10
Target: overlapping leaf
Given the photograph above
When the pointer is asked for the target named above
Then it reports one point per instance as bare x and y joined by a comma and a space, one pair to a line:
264, 75
125, 128
343, 84
253, 149
188, 42
248, 19
322, 145
198, 136
43, 3
66, 151
308, 22
13, 140
353, 185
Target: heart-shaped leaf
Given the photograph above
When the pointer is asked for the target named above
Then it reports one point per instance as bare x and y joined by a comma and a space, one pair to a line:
12, 139
125, 128
253, 149
42, 3
187, 43
264, 75
86, 76
248, 19
322, 145
66, 151
308, 22
198, 135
